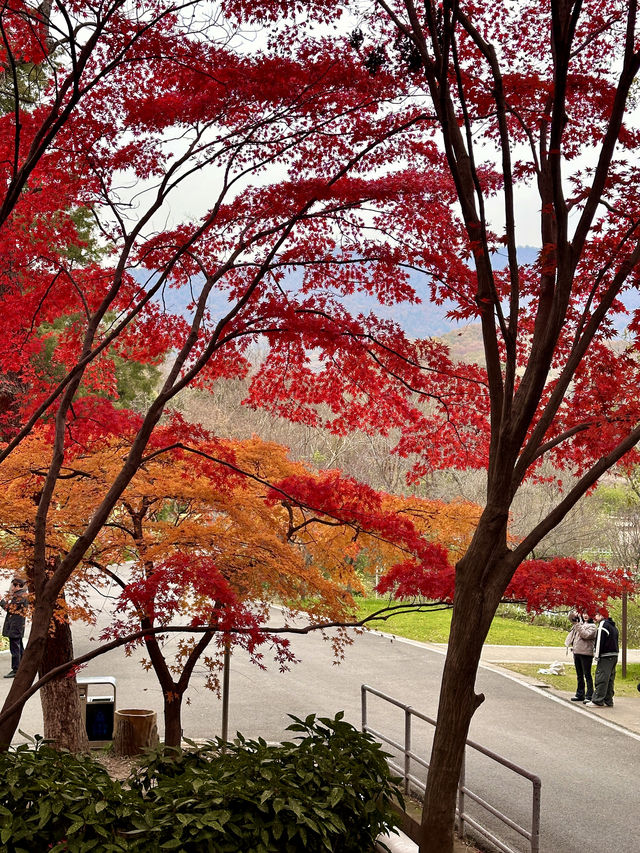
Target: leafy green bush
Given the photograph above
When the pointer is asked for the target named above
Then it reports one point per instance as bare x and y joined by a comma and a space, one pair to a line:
331, 791
548, 619
51, 800
633, 621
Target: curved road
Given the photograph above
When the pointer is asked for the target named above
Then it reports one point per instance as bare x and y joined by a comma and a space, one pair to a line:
589, 771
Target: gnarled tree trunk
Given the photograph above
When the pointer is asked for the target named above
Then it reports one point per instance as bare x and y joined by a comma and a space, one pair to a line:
64, 724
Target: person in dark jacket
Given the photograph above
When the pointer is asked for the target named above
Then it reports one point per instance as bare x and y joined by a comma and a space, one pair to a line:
15, 604
606, 657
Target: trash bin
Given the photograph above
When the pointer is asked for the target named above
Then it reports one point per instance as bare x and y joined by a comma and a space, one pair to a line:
97, 708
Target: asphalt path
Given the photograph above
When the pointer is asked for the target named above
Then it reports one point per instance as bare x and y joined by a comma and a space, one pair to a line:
588, 769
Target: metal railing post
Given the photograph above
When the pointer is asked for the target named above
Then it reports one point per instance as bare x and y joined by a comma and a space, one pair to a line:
535, 816
407, 748
363, 698
226, 670
461, 785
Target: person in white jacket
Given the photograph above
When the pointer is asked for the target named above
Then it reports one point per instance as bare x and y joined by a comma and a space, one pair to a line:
581, 640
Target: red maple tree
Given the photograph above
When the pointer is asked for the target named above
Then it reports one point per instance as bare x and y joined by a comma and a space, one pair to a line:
517, 94
73, 317
354, 158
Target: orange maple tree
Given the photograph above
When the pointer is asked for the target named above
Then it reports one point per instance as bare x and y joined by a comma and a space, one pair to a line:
207, 537
209, 540
206, 548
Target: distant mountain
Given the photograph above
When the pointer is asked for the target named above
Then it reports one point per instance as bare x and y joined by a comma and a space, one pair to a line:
423, 320
418, 321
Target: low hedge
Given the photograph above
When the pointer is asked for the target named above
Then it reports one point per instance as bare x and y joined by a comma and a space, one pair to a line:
330, 791
52, 800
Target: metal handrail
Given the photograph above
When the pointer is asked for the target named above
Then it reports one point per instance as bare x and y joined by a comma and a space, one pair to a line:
532, 835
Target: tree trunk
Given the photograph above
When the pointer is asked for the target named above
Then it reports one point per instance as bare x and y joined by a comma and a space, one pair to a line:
64, 724
470, 622
173, 719
31, 660
134, 731
173, 691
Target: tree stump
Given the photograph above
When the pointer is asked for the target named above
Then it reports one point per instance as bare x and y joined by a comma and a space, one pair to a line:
134, 731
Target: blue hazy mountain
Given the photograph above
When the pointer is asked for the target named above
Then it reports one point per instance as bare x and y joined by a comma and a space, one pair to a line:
417, 320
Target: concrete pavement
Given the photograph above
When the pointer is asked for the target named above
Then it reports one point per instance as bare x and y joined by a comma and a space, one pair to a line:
625, 713
539, 729
626, 710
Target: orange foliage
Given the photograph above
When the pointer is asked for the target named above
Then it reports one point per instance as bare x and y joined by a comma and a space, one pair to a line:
218, 536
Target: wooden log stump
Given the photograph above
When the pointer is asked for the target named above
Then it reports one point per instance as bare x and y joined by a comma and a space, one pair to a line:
134, 731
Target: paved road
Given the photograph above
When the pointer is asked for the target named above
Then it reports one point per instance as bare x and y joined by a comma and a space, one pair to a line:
588, 769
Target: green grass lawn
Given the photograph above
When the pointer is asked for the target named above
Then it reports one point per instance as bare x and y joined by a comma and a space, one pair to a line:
623, 687
433, 627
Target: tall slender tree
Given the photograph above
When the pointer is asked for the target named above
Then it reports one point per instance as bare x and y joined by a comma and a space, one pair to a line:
532, 100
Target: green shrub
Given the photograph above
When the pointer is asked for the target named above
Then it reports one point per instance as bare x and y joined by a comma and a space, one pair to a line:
331, 791
548, 619
633, 621
52, 800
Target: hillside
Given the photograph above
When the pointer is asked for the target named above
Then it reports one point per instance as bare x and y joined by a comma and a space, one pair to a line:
465, 343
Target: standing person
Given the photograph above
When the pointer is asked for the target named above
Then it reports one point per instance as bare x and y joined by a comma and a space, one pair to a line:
581, 640
16, 606
606, 656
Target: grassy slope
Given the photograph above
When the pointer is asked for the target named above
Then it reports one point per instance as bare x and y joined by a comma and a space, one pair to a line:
433, 627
